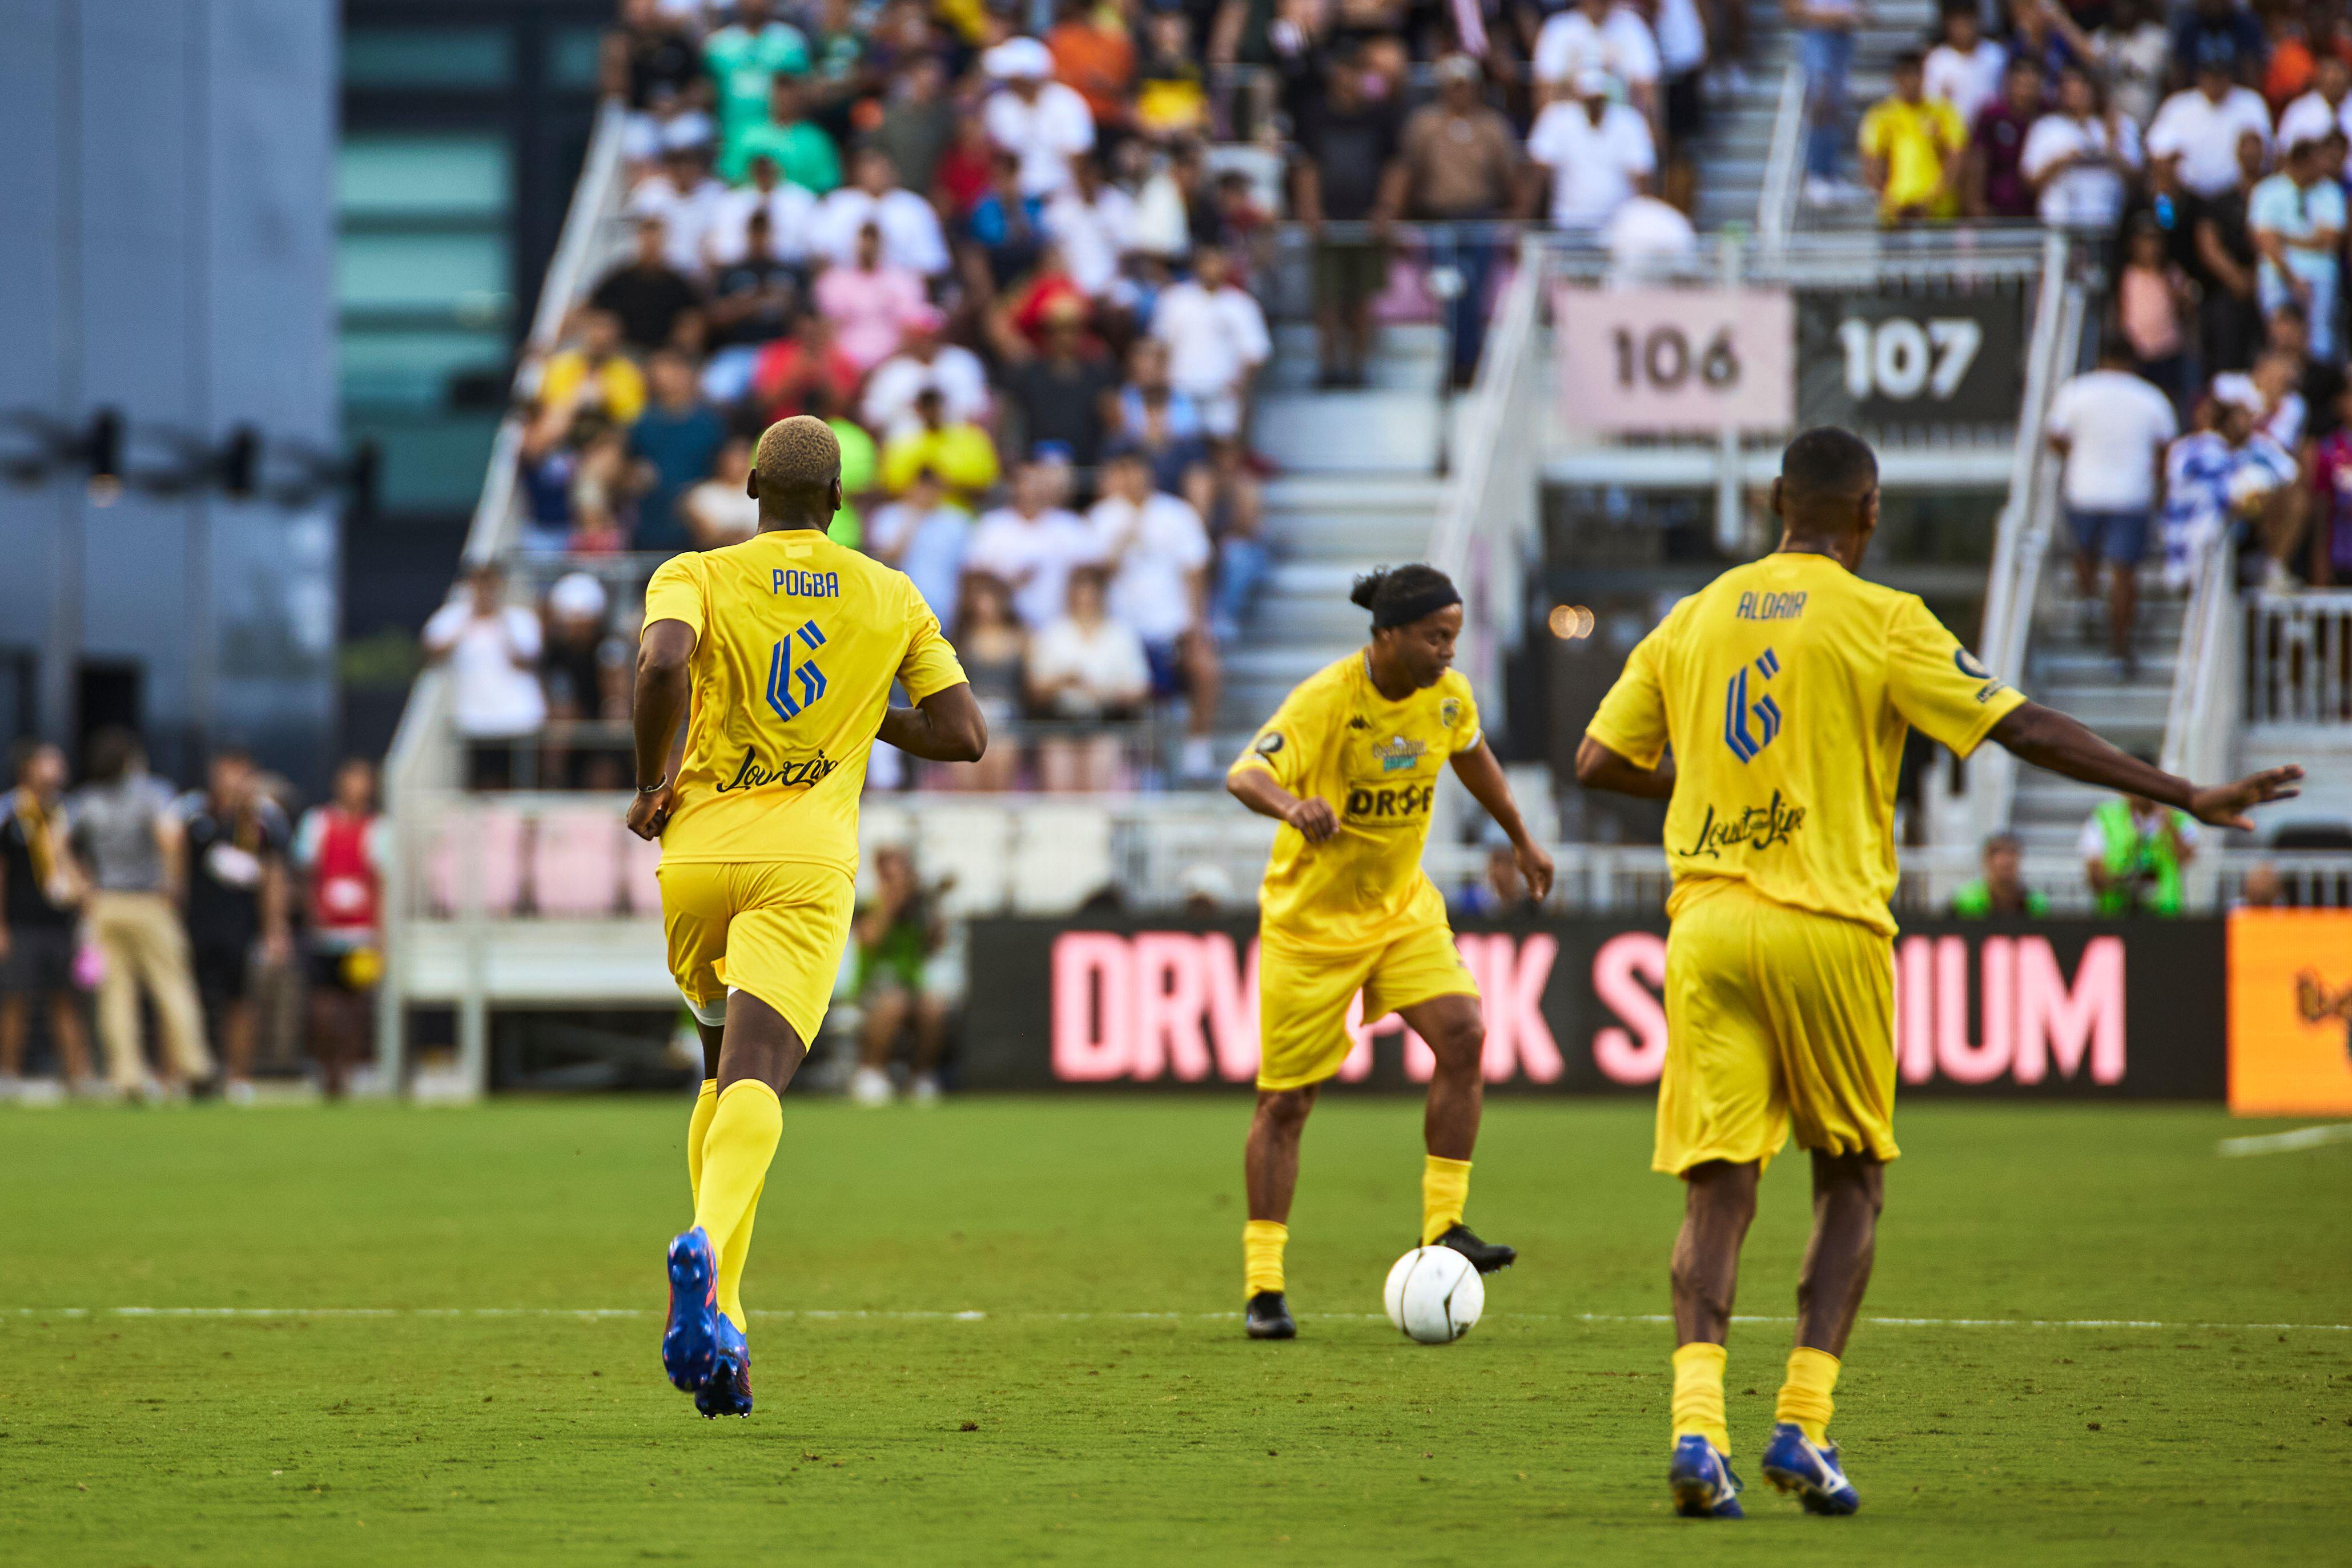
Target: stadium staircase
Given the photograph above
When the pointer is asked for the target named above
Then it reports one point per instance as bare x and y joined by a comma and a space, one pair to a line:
2070, 668
1356, 487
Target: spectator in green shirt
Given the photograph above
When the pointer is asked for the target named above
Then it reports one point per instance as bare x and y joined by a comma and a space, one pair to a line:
2000, 891
859, 464
805, 155
745, 59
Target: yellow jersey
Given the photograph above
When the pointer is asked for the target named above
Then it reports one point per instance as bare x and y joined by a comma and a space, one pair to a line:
798, 640
1376, 761
1786, 687
1914, 140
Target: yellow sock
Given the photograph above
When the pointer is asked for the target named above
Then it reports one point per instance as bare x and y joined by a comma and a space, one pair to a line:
736, 1150
1805, 1397
1262, 1244
1698, 1394
730, 1263
706, 1106
1445, 1189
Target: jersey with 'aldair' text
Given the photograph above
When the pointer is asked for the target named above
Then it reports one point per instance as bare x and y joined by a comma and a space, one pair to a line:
797, 643
1786, 687
1376, 761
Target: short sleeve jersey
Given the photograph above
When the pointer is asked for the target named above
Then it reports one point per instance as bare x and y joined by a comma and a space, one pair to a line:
1786, 687
1376, 761
798, 641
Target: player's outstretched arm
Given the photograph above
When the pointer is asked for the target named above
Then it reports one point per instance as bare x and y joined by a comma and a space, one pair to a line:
945, 727
1598, 767
1482, 775
663, 690
1261, 792
2049, 739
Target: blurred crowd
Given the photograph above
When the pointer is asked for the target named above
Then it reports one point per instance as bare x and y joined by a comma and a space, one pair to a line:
247, 932
1016, 256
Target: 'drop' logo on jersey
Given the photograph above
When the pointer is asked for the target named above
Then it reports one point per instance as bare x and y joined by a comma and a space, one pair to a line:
783, 675
1748, 728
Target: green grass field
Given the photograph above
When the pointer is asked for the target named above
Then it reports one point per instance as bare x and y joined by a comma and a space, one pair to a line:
1007, 1330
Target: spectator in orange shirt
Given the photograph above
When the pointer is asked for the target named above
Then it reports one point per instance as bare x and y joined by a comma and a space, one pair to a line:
1093, 53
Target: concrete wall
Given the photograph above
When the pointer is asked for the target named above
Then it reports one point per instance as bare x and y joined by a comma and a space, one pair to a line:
167, 251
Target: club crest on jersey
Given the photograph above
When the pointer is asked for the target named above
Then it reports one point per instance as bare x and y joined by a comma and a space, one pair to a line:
1449, 711
1748, 728
1397, 753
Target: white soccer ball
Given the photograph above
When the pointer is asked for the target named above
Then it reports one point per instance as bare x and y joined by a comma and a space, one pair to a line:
1433, 1295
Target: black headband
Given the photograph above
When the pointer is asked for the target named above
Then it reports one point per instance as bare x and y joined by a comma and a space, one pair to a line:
1404, 612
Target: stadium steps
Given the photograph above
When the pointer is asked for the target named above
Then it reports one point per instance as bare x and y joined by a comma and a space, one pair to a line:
1356, 487
2070, 669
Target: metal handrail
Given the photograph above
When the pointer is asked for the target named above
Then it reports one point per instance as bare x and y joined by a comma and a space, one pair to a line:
2022, 538
2200, 718
1775, 204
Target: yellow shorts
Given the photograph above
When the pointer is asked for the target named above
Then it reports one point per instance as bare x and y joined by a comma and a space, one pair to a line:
1303, 996
776, 929
1774, 1015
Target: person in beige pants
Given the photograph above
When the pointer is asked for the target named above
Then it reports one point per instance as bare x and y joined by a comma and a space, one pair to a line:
123, 831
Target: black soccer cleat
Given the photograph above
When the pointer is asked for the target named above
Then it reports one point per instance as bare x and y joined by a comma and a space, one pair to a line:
1269, 1317
1486, 1256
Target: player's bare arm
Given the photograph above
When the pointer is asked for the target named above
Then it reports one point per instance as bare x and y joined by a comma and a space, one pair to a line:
1482, 775
659, 707
1598, 767
1256, 788
945, 727
2049, 739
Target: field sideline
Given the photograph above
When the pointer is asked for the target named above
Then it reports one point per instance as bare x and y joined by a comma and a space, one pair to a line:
1008, 1330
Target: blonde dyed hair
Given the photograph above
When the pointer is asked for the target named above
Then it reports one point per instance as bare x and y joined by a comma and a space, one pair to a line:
797, 455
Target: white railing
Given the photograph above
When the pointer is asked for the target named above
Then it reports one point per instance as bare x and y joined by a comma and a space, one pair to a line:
2020, 542
1775, 204
2201, 722
423, 754
1486, 523
2298, 658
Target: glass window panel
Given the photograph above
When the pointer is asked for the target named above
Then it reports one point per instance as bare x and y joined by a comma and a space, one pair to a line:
388, 176
428, 57
465, 274
396, 369
430, 463
574, 59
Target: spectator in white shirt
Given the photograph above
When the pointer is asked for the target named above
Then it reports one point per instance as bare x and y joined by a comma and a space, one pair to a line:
1965, 68
2078, 158
1086, 666
2326, 108
1217, 340
1597, 154
1032, 546
1596, 34
2194, 137
1093, 222
1158, 555
909, 225
1648, 237
2111, 429
926, 359
792, 217
689, 201
1033, 117
491, 649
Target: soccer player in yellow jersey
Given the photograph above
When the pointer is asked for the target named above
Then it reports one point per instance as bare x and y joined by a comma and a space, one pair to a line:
1348, 764
1785, 689
786, 646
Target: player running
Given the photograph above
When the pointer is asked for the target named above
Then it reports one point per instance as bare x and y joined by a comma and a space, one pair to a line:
788, 644
1348, 764
1785, 689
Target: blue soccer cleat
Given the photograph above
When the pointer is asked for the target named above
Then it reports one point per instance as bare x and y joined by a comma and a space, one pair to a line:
1704, 1486
1794, 1462
690, 1340
728, 1392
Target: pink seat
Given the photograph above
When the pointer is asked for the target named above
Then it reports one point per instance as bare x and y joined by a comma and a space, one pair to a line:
639, 860
576, 863
481, 849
